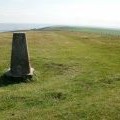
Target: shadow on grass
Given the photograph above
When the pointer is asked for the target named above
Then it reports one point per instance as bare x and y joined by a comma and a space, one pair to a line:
5, 80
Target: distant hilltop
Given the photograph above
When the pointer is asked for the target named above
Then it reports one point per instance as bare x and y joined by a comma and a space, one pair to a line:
80, 29
12, 27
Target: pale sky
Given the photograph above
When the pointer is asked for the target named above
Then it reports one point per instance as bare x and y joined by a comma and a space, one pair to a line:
62, 12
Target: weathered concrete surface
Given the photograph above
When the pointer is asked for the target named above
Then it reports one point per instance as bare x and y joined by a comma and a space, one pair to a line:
20, 65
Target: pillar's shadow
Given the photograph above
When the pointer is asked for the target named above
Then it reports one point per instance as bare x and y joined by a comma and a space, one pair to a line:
5, 80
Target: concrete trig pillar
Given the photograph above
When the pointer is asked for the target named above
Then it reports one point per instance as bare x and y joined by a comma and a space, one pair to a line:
20, 64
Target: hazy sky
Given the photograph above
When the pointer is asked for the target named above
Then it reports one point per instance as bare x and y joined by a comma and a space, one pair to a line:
70, 12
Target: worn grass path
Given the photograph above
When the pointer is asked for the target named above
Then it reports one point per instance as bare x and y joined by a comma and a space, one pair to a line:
77, 77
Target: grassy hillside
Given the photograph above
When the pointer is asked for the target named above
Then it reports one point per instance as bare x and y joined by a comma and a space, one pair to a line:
104, 31
77, 77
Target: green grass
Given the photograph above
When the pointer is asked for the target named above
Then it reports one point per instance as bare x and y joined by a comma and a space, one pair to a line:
77, 77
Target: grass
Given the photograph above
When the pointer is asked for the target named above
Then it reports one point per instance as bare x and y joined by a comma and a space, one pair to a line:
77, 77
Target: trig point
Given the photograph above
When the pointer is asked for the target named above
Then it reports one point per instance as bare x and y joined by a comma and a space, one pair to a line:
20, 64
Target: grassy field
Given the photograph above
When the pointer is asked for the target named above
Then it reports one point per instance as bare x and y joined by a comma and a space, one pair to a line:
77, 77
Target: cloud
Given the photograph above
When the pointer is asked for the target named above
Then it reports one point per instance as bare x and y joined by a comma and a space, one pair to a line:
78, 12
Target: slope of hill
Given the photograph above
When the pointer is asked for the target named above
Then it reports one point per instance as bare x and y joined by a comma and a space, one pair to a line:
81, 29
77, 77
